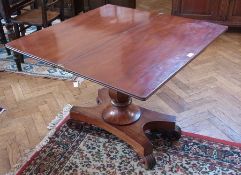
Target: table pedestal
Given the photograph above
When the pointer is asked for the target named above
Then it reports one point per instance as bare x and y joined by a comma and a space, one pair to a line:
116, 114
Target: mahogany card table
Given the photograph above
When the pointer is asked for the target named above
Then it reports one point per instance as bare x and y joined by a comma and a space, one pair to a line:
131, 53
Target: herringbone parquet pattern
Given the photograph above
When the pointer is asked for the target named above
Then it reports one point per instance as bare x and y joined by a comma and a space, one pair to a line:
205, 96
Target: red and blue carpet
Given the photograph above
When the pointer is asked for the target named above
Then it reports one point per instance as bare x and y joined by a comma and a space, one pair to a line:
89, 150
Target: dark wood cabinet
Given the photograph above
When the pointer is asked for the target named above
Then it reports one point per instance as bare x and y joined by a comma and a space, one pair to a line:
124, 3
227, 12
202, 9
92, 4
72, 7
234, 13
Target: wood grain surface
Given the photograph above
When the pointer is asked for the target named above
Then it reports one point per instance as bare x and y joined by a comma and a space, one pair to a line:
205, 96
132, 51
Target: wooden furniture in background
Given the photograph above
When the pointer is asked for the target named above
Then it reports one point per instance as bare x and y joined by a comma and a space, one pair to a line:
128, 65
26, 17
124, 3
2, 34
227, 12
41, 17
7, 8
8, 25
72, 7
92, 4
3, 37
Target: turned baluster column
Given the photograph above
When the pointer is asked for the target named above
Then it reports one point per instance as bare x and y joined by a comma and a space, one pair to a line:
121, 111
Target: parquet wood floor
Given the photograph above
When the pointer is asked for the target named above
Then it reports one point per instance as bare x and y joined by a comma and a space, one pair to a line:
205, 96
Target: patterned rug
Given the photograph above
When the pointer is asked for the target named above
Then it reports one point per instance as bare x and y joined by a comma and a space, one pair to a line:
90, 150
31, 66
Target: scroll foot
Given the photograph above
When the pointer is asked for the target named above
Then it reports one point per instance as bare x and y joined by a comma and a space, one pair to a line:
148, 161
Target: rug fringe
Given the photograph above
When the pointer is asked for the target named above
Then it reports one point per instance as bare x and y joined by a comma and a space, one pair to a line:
28, 154
37, 75
8, 61
59, 117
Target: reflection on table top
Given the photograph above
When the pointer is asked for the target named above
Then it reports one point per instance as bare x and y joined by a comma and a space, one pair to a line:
129, 50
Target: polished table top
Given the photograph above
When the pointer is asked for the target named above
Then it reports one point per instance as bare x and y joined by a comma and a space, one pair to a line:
132, 51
